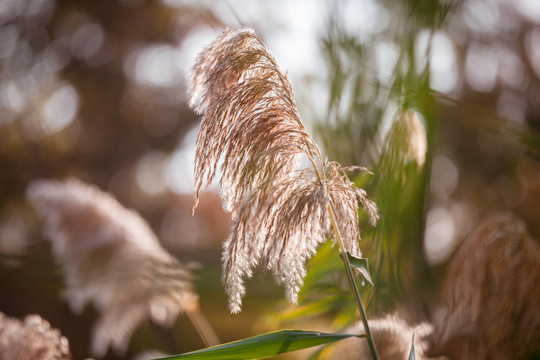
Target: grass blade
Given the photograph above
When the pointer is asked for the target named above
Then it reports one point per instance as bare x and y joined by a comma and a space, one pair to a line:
263, 346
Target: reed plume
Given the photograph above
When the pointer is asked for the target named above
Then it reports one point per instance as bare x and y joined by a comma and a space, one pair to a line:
393, 337
492, 294
400, 186
31, 339
111, 259
406, 141
280, 211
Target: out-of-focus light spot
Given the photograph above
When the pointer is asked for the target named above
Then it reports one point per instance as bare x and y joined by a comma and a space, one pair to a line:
512, 105
8, 41
464, 215
365, 18
481, 16
153, 65
21, 58
161, 121
529, 8
304, 31
443, 69
532, 47
149, 173
39, 8
60, 109
10, 8
179, 172
444, 176
14, 96
439, 238
421, 47
387, 119
386, 55
41, 77
57, 55
191, 47
179, 229
87, 41
511, 70
29, 9
313, 101
158, 312
481, 67
180, 177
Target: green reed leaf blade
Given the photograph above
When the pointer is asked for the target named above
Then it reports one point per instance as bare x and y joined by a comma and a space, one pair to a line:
263, 346
362, 265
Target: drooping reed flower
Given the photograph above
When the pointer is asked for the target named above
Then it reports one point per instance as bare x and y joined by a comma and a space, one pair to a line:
492, 294
280, 211
406, 141
400, 191
31, 339
111, 259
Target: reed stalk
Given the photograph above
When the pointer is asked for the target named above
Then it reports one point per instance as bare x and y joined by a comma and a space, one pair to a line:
352, 283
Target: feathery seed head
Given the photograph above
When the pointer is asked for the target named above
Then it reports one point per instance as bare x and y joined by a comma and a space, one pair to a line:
31, 338
407, 139
492, 295
392, 336
250, 122
110, 258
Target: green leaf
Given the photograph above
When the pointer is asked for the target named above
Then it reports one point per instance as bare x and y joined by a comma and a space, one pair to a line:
316, 307
263, 346
362, 265
325, 263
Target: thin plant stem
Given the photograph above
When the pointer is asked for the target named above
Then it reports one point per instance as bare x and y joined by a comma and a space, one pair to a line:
203, 327
352, 283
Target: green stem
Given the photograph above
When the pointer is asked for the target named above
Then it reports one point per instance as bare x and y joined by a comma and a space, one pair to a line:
352, 283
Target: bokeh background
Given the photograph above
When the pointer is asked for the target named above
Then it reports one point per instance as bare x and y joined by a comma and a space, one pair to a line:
98, 90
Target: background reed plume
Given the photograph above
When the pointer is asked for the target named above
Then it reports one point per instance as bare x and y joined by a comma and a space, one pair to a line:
399, 174
492, 294
406, 141
111, 259
31, 339
251, 123
393, 337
